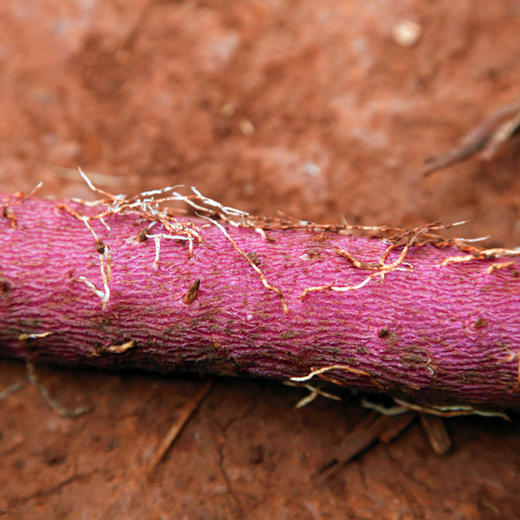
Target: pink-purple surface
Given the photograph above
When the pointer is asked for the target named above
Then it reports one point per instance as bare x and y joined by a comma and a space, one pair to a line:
432, 334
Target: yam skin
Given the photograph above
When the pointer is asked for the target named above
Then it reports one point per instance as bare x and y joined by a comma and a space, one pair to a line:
425, 332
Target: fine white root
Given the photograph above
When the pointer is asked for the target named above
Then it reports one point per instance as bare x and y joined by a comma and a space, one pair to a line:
92, 187
157, 241
119, 349
381, 269
384, 410
346, 368
105, 275
102, 220
225, 209
90, 285
25, 336
313, 393
244, 255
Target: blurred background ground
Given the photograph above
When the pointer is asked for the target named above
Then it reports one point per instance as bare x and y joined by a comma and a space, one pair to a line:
314, 108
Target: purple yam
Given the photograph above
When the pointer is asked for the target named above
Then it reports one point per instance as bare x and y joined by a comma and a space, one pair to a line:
425, 332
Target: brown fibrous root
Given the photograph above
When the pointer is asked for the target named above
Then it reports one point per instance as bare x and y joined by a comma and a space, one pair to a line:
403, 239
486, 254
114, 349
9, 215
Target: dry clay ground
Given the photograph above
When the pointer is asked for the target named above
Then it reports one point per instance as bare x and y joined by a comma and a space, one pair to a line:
308, 107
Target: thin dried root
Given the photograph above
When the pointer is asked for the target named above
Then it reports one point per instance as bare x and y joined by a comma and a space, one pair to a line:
486, 254
495, 267
157, 241
314, 392
11, 389
25, 336
384, 410
64, 412
94, 188
96, 291
113, 349
9, 214
105, 260
320, 371
457, 259
451, 411
244, 255
406, 240
373, 266
335, 288
119, 349
106, 276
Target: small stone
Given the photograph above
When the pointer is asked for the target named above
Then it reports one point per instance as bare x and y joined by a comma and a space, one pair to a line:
312, 169
407, 33
246, 127
228, 109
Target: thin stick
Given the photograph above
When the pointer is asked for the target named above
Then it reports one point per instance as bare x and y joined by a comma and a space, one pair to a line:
485, 137
398, 426
360, 439
177, 427
436, 432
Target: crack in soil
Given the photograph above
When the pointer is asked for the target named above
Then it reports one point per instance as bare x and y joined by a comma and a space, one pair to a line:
240, 512
229, 487
44, 492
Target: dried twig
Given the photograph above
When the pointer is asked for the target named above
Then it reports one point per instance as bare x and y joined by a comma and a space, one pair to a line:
369, 431
397, 426
182, 420
486, 138
436, 432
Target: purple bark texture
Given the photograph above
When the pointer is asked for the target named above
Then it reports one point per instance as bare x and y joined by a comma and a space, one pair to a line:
430, 334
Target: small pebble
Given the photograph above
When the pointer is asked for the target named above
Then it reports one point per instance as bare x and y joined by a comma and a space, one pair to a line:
407, 33
229, 109
312, 169
246, 127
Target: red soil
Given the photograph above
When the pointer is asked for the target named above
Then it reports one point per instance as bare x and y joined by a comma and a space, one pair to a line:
311, 108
